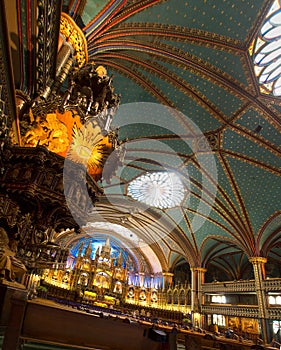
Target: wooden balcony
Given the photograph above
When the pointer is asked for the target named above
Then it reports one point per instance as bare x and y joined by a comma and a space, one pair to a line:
250, 311
229, 287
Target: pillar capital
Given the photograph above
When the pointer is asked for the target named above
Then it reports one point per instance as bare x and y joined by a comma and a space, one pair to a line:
258, 260
198, 269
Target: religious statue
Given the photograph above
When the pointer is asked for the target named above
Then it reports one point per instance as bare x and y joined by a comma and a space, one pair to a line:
11, 268
91, 91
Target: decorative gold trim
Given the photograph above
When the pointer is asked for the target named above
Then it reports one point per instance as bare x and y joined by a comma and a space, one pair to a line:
257, 259
168, 274
198, 269
74, 36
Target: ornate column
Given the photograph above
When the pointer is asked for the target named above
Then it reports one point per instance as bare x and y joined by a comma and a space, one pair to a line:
258, 263
72, 49
8, 110
65, 62
197, 279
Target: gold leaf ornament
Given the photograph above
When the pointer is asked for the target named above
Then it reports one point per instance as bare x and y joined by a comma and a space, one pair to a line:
86, 147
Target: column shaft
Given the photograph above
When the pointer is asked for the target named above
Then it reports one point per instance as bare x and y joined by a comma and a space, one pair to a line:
259, 273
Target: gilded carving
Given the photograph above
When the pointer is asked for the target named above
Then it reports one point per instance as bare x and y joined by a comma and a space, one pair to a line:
11, 268
258, 260
8, 210
46, 40
207, 143
51, 133
75, 37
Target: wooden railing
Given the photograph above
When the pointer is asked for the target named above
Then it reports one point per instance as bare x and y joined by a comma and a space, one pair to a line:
269, 285
229, 287
251, 311
272, 285
274, 313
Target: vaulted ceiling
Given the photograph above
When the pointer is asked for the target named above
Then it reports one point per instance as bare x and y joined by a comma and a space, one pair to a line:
190, 104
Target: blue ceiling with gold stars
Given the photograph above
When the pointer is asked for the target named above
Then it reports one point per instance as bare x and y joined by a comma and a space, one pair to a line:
191, 104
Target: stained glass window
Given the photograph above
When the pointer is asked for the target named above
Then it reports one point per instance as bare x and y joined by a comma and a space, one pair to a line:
158, 189
266, 52
95, 244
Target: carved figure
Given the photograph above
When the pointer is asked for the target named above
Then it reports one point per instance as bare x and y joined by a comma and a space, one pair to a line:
10, 267
91, 90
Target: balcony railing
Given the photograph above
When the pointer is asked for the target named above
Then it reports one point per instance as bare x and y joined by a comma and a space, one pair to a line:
272, 285
251, 311
229, 287
274, 313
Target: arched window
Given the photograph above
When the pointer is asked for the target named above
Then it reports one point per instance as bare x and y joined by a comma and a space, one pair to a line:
176, 297
182, 297
169, 297
266, 52
188, 299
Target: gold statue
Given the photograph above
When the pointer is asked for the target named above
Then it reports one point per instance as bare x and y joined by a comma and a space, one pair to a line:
11, 268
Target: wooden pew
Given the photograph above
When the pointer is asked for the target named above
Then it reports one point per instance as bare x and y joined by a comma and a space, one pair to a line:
43, 321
